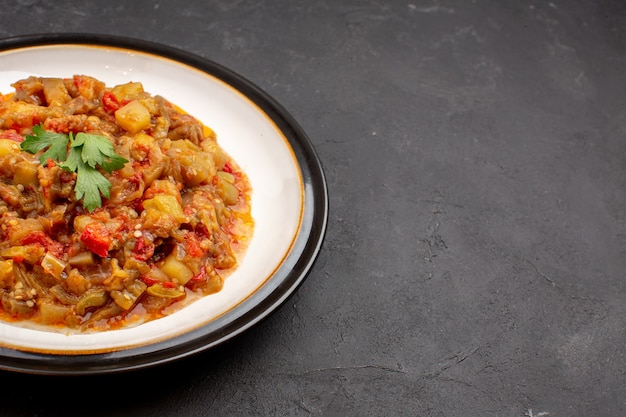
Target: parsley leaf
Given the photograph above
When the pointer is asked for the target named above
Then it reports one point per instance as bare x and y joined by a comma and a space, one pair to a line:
73, 160
87, 153
55, 142
89, 184
114, 163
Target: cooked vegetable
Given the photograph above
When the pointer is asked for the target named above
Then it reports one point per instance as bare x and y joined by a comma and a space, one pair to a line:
159, 290
9, 147
6, 273
53, 265
176, 270
133, 117
116, 207
52, 313
95, 298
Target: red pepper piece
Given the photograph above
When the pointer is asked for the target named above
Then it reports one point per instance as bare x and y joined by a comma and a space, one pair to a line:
97, 239
192, 245
109, 102
142, 250
51, 245
148, 280
11, 134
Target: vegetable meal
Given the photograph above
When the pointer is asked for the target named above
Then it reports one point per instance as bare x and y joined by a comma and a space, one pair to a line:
116, 207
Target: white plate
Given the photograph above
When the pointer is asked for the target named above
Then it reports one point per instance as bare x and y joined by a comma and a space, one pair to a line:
289, 201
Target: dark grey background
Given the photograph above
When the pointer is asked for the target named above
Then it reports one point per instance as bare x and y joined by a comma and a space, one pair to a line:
474, 263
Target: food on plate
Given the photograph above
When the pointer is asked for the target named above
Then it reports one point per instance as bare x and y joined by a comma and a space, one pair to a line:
116, 207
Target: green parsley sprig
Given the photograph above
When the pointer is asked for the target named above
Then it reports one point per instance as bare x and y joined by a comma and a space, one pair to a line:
85, 154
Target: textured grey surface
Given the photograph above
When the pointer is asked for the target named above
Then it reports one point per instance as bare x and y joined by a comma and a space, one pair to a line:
474, 263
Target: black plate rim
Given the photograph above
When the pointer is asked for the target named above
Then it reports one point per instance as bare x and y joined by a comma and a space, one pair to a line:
270, 297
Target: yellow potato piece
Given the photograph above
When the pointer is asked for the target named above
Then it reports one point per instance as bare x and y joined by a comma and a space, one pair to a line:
128, 91
166, 204
133, 117
176, 270
9, 147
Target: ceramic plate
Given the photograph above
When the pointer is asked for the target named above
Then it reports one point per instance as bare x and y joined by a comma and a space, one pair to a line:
289, 201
